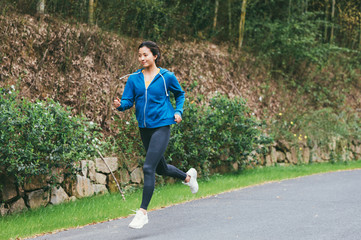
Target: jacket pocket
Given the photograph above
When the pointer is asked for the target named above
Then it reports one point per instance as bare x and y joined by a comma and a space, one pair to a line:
159, 109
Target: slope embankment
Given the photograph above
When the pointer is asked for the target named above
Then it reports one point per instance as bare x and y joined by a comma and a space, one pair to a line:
80, 66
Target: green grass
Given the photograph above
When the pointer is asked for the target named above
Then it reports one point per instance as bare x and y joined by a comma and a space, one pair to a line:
111, 206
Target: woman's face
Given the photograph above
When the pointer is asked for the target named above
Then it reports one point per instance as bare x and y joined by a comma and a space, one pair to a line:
146, 57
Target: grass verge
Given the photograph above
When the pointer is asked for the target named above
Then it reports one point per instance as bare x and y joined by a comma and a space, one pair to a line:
111, 206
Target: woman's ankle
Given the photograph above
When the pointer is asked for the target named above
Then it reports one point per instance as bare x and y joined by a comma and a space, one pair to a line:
143, 211
188, 178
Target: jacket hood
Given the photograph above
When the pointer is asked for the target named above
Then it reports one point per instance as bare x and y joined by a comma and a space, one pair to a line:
162, 70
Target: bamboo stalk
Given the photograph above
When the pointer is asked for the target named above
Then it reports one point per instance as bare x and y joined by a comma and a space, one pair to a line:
360, 28
40, 7
332, 20
242, 23
91, 12
289, 10
229, 19
326, 25
215, 16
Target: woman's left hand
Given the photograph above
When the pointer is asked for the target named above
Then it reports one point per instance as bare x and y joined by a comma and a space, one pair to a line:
177, 118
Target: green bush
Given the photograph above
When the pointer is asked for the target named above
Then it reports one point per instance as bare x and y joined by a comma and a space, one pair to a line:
36, 137
325, 124
317, 126
128, 144
221, 133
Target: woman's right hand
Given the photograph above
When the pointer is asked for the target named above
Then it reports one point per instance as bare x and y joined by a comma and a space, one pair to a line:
116, 103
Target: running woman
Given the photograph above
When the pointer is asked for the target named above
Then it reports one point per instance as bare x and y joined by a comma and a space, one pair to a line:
149, 89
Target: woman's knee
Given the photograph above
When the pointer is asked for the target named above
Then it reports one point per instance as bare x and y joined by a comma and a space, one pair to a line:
148, 170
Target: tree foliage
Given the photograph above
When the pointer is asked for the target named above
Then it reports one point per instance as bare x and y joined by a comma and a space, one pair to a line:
157, 19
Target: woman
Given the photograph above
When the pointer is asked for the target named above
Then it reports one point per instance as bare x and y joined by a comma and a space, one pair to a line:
149, 89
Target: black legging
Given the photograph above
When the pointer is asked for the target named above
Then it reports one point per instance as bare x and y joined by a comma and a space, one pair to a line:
155, 141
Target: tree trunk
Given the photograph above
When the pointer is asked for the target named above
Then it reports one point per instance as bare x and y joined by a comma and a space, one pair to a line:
242, 23
215, 15
91, 12
229, 18
332, 20
40, 7
359, 45
326, 25
289, 10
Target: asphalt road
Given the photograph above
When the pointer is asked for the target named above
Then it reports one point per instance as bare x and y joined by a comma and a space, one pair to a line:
324, 206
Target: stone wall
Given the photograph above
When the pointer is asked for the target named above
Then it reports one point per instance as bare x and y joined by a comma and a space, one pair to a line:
283, 153
93, 178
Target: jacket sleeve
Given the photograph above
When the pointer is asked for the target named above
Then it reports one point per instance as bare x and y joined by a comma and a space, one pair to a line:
127, 100
176, 89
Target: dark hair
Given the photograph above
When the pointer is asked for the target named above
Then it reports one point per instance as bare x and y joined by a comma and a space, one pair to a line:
153, 47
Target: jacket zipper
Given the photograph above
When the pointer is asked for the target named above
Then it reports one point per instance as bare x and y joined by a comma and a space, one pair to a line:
146, 96
145, 105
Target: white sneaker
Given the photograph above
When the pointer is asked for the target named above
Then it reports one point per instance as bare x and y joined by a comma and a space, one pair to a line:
139, 220
193, 184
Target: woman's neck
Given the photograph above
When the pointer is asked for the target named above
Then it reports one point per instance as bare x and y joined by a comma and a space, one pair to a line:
151, 69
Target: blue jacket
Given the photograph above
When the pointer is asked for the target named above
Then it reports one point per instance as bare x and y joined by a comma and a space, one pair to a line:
152, 105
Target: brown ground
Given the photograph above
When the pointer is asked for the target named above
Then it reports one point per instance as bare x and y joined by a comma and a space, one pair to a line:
80, 67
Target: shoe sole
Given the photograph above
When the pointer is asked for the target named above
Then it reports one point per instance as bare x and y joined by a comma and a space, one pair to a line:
137, 227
